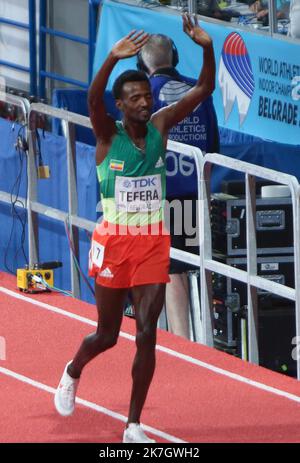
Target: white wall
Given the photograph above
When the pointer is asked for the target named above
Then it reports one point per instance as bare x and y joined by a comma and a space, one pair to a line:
14, 42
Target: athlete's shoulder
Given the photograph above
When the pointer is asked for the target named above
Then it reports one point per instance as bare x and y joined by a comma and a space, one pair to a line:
152, 126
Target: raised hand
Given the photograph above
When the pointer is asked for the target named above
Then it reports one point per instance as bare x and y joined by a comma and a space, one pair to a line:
130, 45
193, 30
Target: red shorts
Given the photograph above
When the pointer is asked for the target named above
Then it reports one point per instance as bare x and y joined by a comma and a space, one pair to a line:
124, 260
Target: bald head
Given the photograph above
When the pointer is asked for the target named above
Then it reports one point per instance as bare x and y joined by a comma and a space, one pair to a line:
157, 52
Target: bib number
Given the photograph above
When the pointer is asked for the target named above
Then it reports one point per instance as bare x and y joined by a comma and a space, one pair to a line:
97, 254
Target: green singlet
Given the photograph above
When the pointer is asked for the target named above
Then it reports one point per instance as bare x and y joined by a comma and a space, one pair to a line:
133, 182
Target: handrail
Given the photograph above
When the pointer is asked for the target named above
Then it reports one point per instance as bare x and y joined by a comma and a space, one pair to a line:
31, 27
18, 101
250, 276
59, 113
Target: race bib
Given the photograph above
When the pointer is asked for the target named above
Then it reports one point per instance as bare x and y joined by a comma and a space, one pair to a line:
138, 194
96, 254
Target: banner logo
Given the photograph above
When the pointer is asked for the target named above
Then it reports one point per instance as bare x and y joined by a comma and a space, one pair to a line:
236, 76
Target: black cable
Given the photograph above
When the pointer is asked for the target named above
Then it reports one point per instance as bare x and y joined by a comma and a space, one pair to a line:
12, 228
17, 203
23, 221
39, 149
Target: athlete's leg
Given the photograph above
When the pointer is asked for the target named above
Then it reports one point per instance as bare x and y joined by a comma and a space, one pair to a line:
177, 305
110, 304
148, 302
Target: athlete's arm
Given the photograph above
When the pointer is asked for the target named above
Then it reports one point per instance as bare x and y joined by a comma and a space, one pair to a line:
103, 124
169, 116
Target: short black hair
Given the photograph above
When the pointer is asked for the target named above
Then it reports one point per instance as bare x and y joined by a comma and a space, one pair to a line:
132, 75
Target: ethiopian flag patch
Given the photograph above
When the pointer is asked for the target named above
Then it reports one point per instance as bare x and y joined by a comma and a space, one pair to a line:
116, 165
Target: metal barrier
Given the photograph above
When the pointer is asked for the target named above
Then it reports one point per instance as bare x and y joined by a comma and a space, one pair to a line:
196, 330
31, 27
250, 276
90, 42
17, 101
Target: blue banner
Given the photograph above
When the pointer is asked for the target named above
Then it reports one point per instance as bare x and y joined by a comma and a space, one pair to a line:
258, 77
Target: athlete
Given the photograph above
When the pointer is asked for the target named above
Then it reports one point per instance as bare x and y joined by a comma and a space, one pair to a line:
130, 248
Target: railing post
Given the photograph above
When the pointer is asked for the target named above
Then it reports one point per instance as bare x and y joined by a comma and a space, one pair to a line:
272, 17
32, 46
296, 231
206, 253
32, 192
195, 309
73, 205
195, 315
192, 6
251, 268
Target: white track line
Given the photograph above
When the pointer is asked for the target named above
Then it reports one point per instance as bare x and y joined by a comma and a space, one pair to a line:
43, 305
166, 350
88, 404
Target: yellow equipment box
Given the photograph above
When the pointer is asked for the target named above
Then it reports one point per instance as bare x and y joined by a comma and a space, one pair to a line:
26, 283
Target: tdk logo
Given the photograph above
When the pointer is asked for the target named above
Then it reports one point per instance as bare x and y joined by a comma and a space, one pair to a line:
140, 182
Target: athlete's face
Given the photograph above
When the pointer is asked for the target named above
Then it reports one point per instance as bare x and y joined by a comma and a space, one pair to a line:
136, 101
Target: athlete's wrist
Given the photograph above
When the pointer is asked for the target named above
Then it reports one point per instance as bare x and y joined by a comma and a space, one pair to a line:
206, 46
113, 57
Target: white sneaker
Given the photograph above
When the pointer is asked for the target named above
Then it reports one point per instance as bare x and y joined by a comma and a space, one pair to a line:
64, 399
134, 434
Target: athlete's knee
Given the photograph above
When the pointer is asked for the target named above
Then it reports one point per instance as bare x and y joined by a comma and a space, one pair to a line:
146, 338
104, 341
109, 340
